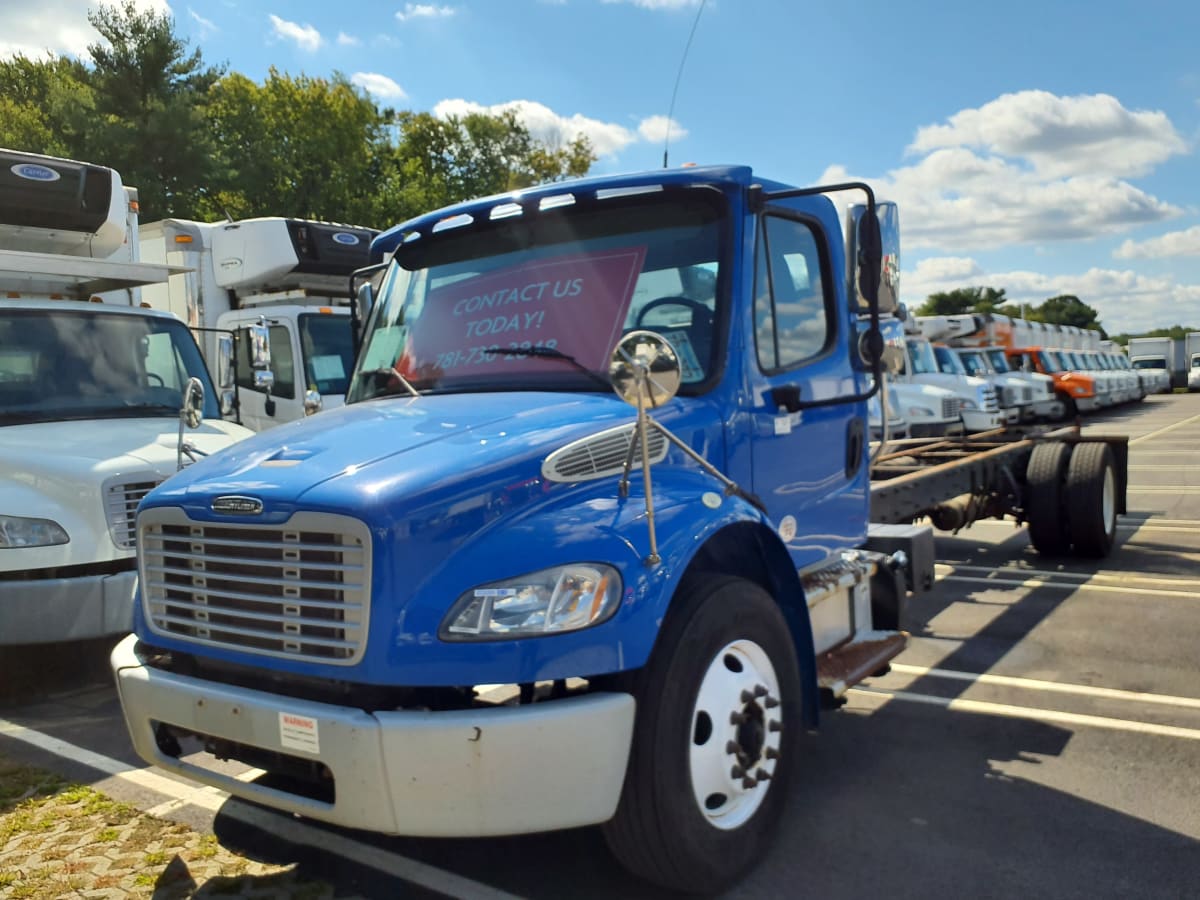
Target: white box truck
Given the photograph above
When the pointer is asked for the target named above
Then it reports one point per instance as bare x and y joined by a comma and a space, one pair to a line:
93, 390
291, 275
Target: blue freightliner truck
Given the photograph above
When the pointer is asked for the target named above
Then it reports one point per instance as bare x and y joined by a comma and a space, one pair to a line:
597, 531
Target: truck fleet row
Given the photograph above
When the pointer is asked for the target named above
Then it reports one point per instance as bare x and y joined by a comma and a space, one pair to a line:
597, 532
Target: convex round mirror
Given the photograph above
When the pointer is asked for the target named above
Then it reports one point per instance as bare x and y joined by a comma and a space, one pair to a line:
644, 369
193, 403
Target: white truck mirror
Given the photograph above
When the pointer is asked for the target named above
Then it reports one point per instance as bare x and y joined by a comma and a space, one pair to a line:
312, 402
225, 362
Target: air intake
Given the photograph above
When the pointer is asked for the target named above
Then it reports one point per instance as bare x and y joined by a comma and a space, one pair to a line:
600, 455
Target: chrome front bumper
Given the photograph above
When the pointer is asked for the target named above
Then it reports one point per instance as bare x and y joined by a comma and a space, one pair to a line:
461, 773
66, 609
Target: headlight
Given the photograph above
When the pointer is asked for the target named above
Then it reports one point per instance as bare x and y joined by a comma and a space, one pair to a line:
17, 531
967, 404
921, 412
552, 601
1079, 390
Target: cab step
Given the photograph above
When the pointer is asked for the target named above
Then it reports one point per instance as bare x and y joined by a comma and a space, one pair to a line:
867, 653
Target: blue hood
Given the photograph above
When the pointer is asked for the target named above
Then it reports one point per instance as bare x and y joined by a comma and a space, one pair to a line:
361, 455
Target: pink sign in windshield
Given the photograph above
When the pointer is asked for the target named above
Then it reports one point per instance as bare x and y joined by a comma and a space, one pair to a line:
574, 304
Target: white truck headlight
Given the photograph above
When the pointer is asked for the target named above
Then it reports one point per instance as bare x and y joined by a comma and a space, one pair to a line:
18, 531
967, 404
552, 601
921, 412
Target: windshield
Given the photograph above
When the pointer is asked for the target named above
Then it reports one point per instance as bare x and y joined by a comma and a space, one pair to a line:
328, 346
948, 361
457, 308
920, 355
998, 360
974, 363
1150, 362
70, 364
1050, 361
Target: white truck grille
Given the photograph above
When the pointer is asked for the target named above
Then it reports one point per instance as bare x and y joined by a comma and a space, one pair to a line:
990, 403
121, 499
300, 590
950, 407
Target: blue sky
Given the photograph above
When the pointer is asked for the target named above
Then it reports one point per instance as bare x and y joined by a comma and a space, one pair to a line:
1044, 148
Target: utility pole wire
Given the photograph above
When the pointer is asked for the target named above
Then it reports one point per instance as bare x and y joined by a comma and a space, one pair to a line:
678, 76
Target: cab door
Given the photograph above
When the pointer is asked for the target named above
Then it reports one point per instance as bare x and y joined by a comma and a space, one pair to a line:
261, 410
808, 463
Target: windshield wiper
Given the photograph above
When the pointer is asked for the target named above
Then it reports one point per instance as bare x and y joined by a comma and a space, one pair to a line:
388, 372
553, 353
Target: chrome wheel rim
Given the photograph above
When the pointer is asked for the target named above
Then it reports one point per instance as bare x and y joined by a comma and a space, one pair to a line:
737, 723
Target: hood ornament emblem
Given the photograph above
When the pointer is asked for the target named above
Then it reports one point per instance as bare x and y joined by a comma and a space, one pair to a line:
237, 505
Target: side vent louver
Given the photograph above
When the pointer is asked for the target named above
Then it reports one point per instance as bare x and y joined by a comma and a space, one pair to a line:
600, 455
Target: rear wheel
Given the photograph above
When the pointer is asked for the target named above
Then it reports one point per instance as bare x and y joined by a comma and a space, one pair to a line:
714, 742
1045, 479
1092, 500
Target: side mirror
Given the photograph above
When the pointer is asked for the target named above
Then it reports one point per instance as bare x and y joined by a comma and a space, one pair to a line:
365, 298
645, 370
259, 338
228, 399
264, 380
225, 362
192, 410
312, 402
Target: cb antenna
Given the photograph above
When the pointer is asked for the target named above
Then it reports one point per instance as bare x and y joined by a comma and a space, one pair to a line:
678, 76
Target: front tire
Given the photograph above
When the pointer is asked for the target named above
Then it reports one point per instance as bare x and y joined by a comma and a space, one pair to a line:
715, 740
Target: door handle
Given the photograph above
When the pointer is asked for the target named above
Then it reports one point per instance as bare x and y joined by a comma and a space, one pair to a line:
787, 396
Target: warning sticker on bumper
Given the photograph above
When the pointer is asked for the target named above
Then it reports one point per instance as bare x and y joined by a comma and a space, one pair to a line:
299, 733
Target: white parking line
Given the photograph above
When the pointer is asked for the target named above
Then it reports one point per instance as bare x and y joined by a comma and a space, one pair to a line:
1005, 710
1179, 424
1118, 577
1069, 586
284, 827
1057, 687
1162, 489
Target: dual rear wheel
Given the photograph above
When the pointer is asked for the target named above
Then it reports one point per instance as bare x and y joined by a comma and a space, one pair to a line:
1071, 499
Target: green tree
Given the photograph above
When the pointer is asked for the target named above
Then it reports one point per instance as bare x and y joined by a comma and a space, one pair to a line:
149, 121
297, 146
962, 300
441, 161
45, 105
1067, 309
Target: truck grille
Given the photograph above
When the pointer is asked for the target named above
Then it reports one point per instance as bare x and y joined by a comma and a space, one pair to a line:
950, 408
121, 501
990, 403
299, 591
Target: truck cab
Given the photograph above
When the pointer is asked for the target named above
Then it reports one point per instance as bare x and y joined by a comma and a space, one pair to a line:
978, 403
94, 394
289, 275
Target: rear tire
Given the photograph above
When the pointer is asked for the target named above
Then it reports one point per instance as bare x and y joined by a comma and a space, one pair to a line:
1092, 500
687, 820
1045, 480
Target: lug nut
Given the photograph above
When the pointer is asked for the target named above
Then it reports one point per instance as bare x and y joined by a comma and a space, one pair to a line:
737, 718
774, 725
760, 691
762, 775
732, 748
770, 702
771, 753
737, 772
747, 697
749, 782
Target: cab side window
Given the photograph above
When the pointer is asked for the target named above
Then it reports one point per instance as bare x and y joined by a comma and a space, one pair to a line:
792, 321
281, 363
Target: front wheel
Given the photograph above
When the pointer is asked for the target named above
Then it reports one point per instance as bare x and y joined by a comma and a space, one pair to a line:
715, 741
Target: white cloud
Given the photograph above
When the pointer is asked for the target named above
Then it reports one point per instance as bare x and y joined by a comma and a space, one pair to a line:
57, 26
378, 85
1125, 300
955, 198
347, 40
660, 4
607, 138
306, 37
423, 11
1175, 243
207, 26
1061, 137
654, 129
